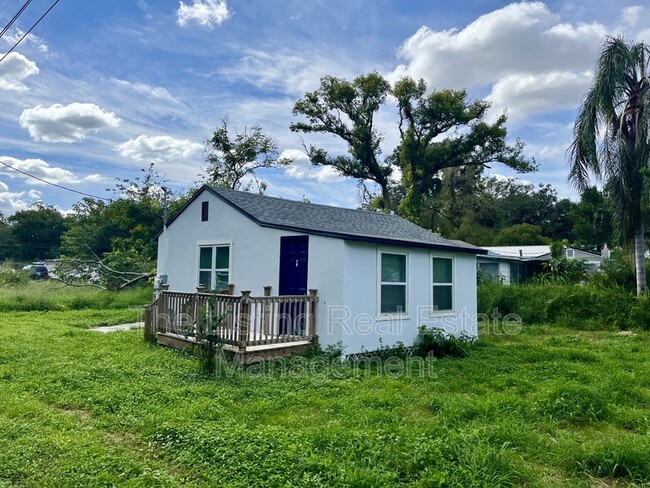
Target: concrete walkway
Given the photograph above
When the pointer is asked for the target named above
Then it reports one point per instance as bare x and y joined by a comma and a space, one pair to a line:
115, 328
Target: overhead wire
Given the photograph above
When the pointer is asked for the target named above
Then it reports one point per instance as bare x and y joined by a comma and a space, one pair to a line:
54, 184
30, 30
15, 18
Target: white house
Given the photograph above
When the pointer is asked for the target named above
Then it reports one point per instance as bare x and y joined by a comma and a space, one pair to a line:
511, 264
378, 277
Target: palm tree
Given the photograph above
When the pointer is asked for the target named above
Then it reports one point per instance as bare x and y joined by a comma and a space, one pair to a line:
610, 139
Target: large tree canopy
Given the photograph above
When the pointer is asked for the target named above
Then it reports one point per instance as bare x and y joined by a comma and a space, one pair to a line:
438, 130
611, 140
444, 129
347, 110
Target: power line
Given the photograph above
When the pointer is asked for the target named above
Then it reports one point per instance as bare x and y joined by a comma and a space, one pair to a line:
15, 18
30, 29
54, 184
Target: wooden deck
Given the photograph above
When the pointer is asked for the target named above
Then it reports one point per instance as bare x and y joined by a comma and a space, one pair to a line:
253, 328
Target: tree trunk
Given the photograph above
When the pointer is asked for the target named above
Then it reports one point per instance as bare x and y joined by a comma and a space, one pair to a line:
639, 259
385, 195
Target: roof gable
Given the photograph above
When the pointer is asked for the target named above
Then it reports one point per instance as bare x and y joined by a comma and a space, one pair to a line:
335, 222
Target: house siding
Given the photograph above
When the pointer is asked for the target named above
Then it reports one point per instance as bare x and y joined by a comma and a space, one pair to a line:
360, 324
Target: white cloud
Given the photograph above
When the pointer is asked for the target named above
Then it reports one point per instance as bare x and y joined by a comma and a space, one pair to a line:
12, 202
643, 36
42, 169
14, 69
631, 15
66, 123
151, 91
208, 13
302, 169
158, 149
13, 37
510, 49
522, 37
523, 94
287, 71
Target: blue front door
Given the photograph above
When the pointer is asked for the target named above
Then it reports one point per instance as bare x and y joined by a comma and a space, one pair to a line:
294, 254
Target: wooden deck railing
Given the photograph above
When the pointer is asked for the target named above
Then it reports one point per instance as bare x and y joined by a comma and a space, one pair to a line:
241, 321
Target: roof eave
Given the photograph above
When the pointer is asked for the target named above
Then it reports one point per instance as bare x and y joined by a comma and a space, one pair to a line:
376, 240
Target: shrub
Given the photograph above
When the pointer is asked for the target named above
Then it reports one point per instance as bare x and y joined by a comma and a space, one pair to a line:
615, 272
432, 342
11, 277
640, 313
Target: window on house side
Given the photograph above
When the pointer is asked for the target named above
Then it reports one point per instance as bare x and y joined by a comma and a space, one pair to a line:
205, 206
392, 293
442, 296
214, 267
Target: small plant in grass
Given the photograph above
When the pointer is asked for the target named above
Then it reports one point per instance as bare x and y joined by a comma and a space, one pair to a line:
206, 335
331, 352
433, 342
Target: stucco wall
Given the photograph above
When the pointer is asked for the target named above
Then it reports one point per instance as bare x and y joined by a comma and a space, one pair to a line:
343, 272
359, 323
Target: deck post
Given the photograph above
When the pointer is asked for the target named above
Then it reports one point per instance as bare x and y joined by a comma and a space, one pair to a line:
196, 310
266, 312
312, 313
244, 319
149, 331
163, 311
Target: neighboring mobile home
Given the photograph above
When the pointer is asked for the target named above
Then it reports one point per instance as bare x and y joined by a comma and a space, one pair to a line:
512, 264
378, 277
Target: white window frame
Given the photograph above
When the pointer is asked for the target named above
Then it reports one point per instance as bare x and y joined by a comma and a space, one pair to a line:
451, 311
570, 254
213, 270
389, 315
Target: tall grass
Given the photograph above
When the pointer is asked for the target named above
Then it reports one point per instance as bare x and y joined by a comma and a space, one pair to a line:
53, 296
585, 307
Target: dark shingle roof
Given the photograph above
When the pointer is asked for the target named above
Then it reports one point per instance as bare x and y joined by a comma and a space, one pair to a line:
344, 223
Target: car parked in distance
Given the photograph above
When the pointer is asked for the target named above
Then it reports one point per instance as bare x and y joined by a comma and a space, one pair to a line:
37, 271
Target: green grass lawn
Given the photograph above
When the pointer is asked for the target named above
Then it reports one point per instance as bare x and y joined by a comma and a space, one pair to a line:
547, 407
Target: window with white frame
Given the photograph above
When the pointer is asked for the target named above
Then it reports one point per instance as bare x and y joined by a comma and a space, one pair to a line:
214, 266
442, 294
393, 283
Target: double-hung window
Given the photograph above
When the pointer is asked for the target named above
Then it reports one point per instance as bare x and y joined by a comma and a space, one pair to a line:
442, 296
393, 283
214, 266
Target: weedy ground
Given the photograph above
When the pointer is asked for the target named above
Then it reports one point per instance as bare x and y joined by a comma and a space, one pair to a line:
546, 407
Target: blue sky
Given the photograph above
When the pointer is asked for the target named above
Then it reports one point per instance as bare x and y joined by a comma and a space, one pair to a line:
103, 88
